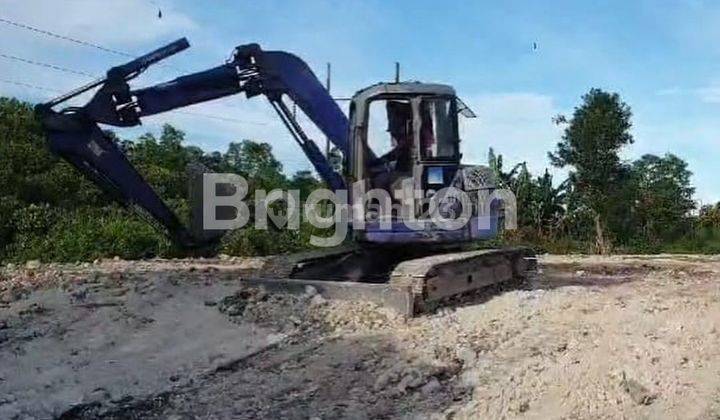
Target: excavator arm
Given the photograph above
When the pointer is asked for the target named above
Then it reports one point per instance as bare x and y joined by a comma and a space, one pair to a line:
74, 134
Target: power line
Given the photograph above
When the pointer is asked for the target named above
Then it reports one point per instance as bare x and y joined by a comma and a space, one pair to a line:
28, 85
46, 65
215, 117
78, 41
66, 38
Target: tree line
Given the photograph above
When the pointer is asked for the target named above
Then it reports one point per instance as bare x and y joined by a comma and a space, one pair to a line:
49, 212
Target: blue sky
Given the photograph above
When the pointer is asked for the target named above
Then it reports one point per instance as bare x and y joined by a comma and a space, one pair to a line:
662, 57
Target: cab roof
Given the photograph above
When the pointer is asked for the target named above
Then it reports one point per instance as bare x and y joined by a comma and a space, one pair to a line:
403, 88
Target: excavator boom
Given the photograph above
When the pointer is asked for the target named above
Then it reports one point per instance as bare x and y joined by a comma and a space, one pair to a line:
74, 134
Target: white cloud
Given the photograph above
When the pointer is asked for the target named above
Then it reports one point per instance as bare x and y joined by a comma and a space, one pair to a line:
517, 125
710, 93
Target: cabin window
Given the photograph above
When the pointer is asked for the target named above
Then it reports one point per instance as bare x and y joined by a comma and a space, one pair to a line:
438, 133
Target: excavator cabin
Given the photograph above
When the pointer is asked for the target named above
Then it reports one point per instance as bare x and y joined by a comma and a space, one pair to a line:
404, 139
404, 129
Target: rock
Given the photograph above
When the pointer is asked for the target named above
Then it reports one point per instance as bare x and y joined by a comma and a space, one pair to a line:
260, 295
523, 406
234, 310
466, 355
116, 258
10, 266
123, 399
431, 386
223, 257
33, 264
7, 399
10, 295
101, 393
3, 324
210, 303
412, 378
310, 291
450, 413
470, 378
638, 393
234, 305
79, 295
385, 378
317, 300
580, 273
96, 261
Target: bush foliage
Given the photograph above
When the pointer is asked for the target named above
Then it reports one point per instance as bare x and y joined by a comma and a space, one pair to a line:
49, 212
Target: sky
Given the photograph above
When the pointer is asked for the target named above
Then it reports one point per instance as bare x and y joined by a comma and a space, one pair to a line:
662, 57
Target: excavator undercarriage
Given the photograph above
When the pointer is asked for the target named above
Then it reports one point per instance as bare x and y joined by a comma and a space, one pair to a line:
410, 281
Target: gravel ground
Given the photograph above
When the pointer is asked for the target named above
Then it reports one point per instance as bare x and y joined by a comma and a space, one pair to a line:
588, 337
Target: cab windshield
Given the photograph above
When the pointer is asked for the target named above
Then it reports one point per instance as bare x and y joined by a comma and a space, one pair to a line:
438, 129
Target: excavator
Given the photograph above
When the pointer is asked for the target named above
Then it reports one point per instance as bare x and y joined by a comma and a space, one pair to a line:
399, 137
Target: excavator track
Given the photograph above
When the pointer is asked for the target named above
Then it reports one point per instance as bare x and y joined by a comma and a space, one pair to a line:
434, 278
408, 281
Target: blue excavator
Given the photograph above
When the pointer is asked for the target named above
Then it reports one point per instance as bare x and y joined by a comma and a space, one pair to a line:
400, 137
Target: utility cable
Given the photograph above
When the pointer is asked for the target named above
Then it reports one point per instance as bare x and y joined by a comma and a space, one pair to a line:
46, 65
65, 38
76, 41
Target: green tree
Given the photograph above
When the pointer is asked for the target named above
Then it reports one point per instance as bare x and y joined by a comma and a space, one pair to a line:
256, 162
709, 215
504, 179
546, 205
305, 182
163, 161
523, 188
597, 131
664, 197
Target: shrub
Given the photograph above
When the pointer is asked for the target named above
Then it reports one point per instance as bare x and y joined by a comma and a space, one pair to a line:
87, 234
703, 240
541, 243
249, 241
